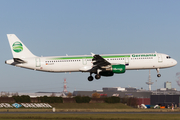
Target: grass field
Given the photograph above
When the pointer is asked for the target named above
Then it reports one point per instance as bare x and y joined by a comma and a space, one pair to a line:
90, 106
90, 116
85, 107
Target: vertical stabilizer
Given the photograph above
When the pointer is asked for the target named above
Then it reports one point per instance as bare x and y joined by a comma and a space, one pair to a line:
19, 50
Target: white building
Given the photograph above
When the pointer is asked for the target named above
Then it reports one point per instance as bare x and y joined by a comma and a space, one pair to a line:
167, 85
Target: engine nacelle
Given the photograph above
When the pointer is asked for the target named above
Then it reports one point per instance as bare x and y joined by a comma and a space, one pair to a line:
118, 68
113, 69
106, 73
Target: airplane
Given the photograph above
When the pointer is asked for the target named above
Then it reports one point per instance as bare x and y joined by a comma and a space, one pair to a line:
100, 65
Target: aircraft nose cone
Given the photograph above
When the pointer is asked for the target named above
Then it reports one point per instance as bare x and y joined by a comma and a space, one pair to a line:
175, 62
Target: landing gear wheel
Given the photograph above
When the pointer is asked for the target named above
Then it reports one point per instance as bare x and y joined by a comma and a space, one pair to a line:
97, 76
158, 75
90, 78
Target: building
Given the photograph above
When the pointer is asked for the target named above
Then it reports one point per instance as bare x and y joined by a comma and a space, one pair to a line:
34, 95
167, 85
165, 100
116, 91
166, 91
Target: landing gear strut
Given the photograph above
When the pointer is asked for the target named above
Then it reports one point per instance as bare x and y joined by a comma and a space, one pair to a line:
158, 75
97, 76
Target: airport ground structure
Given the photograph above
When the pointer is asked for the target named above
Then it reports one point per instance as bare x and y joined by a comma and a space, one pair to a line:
163, 96
117, 91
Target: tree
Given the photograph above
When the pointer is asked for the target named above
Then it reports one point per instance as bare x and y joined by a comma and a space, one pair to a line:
14, 94
69, 95
5, 94
112, 99
84, 99
95, 95
132, 101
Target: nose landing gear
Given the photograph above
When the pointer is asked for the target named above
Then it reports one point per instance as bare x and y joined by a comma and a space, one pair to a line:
158, 75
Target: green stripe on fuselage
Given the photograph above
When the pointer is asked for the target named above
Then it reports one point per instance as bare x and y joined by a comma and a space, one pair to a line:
88, 57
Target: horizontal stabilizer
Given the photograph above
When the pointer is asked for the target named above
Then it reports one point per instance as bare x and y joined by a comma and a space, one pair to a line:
17, 60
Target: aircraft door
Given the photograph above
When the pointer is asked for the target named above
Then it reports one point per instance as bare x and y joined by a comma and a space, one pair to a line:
84, 61
126, 61
160, 58
38, 62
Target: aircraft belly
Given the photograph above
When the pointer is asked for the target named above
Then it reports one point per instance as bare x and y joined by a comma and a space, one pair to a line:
134, 65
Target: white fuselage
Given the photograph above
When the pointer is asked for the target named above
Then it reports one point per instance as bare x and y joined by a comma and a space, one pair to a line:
84, 62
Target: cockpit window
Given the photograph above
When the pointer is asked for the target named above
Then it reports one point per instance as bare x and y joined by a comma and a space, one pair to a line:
168, 57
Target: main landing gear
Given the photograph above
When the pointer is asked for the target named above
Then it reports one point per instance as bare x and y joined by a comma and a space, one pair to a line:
97, 76
90, 78
158, 75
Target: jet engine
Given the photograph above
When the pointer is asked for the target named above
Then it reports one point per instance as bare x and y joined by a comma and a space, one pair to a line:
113, 69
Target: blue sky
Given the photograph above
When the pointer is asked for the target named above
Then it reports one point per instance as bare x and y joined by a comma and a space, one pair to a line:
60, 27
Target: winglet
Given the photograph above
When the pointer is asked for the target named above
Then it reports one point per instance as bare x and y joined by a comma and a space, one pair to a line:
92, 54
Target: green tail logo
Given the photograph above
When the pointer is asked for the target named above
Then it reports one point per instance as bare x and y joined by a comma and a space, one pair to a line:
17, 47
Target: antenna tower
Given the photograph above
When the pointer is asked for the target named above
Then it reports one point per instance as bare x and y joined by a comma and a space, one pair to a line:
65, 86
149, 81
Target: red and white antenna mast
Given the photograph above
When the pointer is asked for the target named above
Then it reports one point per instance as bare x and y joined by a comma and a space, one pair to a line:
65, 86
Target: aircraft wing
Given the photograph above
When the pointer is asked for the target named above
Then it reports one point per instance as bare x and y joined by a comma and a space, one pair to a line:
98, 63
